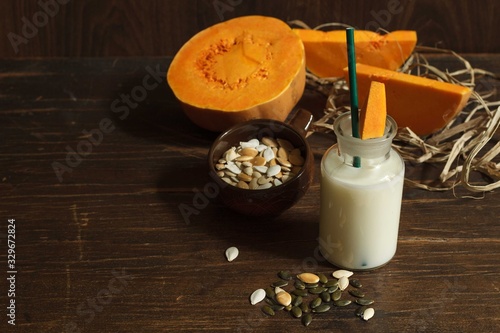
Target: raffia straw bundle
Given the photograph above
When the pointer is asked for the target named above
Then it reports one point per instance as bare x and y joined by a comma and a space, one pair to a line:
456, 149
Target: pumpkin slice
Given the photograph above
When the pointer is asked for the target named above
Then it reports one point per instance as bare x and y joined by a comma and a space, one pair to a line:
326, 52
424, 105
374, 113
241, 69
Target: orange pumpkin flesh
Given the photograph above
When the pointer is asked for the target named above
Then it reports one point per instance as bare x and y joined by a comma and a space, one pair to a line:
424, 105
245, 68
373, 115
326, 52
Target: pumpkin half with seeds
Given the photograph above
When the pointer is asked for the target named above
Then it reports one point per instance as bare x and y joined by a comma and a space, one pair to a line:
251, 67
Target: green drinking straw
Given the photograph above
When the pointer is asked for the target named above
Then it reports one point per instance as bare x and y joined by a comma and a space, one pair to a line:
353, 88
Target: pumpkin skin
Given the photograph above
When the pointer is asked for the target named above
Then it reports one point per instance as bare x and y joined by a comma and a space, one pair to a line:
326, 52
251, 67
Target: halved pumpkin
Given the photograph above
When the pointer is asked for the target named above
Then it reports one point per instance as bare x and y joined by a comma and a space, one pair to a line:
245, 68
326, 52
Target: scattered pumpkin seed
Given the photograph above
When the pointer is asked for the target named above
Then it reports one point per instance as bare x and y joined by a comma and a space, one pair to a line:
359, 311
331, 290
280, 283
343, 283
322, 278
300, 292
305, 307
270, 292
283, 298
315, 303
357, 293
297, 301
232, 253
306, 319
368, 313
297, 312
364, 301
285, 275
257, 296
355, 283
288, 307
331, 283
308, 278
317, 290
278, 290
336, 295
311, 285
342, 272
277, 307
299, 285
322, 308
325, 297
268, 310
342, 302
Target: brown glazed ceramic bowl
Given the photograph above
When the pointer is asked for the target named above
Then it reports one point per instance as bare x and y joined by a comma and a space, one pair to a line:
275, 200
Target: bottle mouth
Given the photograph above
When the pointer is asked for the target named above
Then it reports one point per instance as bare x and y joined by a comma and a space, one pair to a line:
370, 148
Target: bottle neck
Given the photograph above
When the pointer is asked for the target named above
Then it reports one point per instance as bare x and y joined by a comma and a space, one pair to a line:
370, 152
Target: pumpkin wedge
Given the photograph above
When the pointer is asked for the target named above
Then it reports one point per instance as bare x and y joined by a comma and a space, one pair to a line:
424, 105
241, 69
374, 113
326, 52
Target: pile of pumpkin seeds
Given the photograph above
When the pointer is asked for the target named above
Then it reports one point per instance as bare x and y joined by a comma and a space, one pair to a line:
307, 295
260, 164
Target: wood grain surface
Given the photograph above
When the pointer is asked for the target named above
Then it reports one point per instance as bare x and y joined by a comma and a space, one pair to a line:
160, 27
105, 247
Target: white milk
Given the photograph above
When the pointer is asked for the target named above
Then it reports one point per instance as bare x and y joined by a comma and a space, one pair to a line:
360, 208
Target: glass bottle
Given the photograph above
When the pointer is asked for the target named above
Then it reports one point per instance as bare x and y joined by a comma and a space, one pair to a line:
360, 206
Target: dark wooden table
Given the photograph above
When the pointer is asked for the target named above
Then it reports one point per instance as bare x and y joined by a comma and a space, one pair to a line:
96, 160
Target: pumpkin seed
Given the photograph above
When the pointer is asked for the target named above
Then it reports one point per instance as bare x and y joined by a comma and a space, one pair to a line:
288, 307
250, 144
278, 290
315, 303
273, 170
355, 283
311, 285
306, 319
257, 296
317, 290
322, 308
325, 296
322, 278
342, 272
364, 301
296, 312
300, 292
359, 311
342, 302
232, 253
280, 283
277, 307
331, 283
268, 310
308, 278
299, 285
296, 160
357, 293
331, 290
270, 142
285, 144
270, 292
343, 283
284, 298
305, 307
297, 301
336, 295
368, 313
285, 275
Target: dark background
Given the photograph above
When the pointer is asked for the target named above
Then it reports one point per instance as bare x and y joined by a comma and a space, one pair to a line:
117, 28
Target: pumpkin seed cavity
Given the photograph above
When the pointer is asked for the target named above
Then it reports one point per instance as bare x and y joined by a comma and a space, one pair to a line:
307, 295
